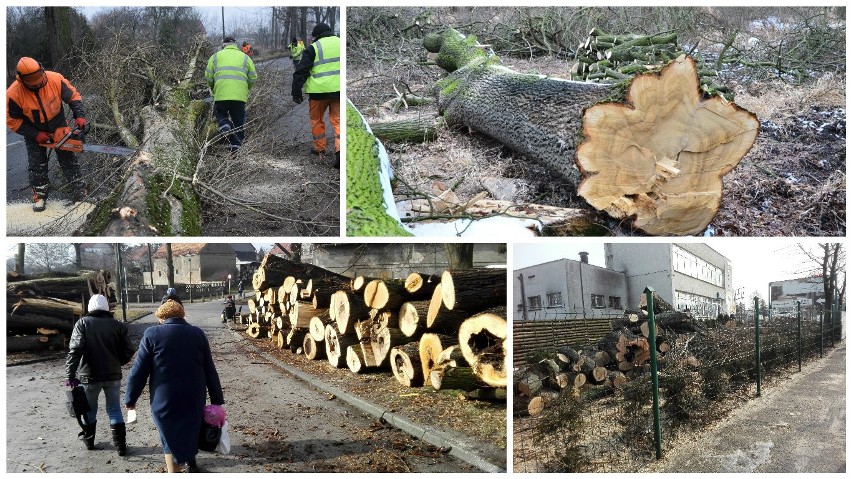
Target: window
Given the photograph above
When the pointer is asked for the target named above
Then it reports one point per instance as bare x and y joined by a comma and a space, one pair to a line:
534, 302
598, 301
554, 300
615, 302
695, 267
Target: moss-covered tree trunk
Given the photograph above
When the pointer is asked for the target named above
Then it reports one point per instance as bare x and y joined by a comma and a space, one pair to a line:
154, 197
533, 115
650, 148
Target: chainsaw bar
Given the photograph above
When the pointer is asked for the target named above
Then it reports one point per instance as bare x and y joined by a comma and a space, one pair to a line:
109, 150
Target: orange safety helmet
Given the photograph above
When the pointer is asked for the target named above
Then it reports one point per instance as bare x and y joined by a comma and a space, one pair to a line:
31, 73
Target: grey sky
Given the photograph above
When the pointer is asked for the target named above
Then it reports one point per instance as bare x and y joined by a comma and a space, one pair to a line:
212, 16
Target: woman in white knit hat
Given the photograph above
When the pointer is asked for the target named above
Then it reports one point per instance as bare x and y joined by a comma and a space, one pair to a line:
99, 346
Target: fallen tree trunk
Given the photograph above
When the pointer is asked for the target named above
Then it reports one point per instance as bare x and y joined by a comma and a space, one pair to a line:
155, 197
32, 322
473, 289
407, 130
655, 150
34, 342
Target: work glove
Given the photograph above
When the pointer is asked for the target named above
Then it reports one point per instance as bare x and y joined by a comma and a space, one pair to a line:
72, 383
298, 98
80, 122
42, 137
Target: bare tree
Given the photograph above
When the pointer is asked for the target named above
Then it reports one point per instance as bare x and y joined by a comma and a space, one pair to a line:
19, 258
78, 255
830, 258
49, 257
459, 255
170, 267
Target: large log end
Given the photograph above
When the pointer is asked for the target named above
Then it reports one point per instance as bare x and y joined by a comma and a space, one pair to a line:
660, 156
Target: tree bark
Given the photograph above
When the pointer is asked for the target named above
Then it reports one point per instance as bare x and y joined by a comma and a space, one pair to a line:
673, 146
462, 378
473, 289
349, 308
407, 130
34, 342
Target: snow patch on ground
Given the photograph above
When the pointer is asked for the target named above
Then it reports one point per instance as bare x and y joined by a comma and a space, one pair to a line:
741, 462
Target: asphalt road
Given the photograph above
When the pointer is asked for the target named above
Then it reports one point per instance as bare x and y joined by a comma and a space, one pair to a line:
278, 423
798, 426
17, 181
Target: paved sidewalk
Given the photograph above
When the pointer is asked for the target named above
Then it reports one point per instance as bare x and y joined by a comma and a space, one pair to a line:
799, 426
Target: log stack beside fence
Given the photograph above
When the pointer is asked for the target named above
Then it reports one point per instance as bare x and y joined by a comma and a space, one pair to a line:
41, 312
445, 332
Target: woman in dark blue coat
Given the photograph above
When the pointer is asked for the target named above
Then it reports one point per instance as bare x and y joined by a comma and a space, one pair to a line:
176, 356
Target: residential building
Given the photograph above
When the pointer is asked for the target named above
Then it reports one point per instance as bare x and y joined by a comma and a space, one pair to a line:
247, 261
565, 287
690, 276
195, 263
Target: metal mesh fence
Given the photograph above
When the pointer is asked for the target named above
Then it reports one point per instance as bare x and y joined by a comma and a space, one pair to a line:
608, 426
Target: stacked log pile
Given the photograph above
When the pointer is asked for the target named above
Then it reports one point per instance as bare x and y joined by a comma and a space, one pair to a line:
624, 353
41, 312
445, 331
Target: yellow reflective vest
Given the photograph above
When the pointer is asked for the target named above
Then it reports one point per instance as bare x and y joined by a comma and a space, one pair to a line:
296, 50
230, 74
325, 74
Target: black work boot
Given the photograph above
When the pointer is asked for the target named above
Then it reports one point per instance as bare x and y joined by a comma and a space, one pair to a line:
39, 198
337, 160
88, 436
119, 435
191, 466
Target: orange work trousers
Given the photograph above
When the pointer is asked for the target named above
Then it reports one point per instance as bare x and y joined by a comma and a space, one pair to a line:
317, 110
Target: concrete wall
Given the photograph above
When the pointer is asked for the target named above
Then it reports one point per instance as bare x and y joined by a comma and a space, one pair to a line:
397, 260
575, 282
644, 264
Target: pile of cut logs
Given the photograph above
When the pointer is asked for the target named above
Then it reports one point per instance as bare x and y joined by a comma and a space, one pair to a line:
619, 356
41, 312
447, 331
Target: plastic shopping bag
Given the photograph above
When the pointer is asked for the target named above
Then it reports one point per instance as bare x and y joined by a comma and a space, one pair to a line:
224, 445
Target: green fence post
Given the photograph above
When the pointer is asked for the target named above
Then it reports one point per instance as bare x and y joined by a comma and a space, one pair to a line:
799, 331
655, 384
757, 340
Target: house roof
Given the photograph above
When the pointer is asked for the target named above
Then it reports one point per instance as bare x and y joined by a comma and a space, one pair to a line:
138, 253
245, 252
277, 251
180, 249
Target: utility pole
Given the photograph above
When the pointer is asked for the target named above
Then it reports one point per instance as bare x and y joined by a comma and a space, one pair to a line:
223, 24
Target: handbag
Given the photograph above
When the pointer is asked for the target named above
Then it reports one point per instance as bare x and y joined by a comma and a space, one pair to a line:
208, 437
76, 401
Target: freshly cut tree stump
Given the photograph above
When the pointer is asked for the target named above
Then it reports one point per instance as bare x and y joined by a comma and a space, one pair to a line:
656, 151
405, 364
312, 348
482, 339
336, 344
431, 346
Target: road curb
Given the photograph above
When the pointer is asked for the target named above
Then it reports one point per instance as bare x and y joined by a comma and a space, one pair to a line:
436, 438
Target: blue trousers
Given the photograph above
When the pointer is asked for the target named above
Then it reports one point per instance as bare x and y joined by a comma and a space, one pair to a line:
112, 394
231, 116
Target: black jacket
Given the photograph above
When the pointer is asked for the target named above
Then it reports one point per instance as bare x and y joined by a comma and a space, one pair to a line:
303, 71
99, 346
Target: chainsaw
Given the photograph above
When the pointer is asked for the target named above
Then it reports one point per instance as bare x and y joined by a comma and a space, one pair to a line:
70, 139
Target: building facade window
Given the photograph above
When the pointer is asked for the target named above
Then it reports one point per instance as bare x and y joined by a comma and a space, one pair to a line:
534, 302
615, 302
598, 301
554, 300
700, 306
687, 263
